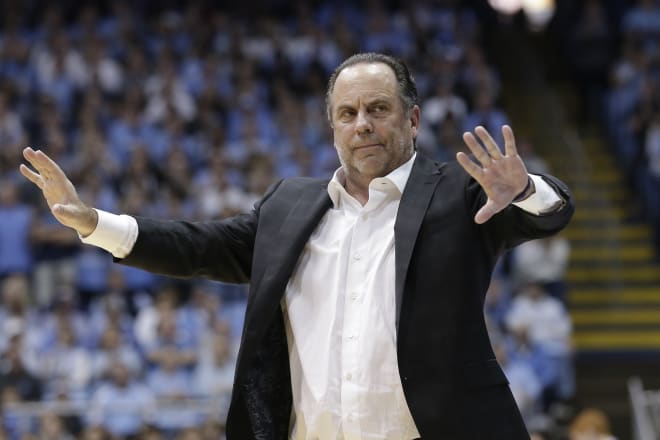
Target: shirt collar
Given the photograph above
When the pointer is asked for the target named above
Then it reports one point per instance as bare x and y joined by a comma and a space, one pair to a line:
399, 177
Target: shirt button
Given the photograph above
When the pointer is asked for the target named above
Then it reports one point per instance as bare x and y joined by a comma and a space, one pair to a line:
351, 337
349, 376
357, 256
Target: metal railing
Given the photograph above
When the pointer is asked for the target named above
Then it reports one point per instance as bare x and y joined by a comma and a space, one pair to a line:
645, 406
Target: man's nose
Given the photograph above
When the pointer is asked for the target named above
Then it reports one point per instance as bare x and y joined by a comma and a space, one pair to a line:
363, 123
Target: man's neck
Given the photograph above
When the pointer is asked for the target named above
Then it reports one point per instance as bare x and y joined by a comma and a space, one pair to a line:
358, 189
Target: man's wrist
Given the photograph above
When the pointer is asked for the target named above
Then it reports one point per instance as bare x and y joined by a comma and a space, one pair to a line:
529, 189
90, 226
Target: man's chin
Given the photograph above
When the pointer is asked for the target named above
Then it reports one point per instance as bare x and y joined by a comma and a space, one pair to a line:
372, 168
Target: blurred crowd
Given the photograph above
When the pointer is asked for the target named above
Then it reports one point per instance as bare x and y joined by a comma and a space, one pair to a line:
192, 111
632, 104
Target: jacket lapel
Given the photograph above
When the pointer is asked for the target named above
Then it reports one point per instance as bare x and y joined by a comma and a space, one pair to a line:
310, 207
301, 222
415, 199
308, 210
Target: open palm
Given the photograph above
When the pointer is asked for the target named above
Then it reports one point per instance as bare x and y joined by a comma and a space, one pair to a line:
502, 176
59, 192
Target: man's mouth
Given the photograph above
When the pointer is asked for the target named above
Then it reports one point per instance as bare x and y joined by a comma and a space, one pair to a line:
367, 146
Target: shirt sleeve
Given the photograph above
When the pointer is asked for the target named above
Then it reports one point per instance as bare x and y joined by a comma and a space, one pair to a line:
114, 233
544, 198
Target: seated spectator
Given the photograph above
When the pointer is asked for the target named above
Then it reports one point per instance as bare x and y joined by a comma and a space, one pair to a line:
112, 349
206, 312
64, 312
215, 196
54, 250
547, 324
66, 360
520, 348
14, 423
121, 405
62, 395
542, 261
14, 373
112, 310
12, 132
51, 427
170, 382
214, 373
148, 317
17, 317
15, 220
171, 345
487, 114
93, 269
444, 103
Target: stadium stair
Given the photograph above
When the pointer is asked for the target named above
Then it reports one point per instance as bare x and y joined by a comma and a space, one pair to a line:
613, 276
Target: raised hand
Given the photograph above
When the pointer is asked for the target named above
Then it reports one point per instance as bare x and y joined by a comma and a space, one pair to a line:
59, 192
502, 177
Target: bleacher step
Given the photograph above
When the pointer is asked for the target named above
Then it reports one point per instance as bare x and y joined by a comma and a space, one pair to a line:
617, 340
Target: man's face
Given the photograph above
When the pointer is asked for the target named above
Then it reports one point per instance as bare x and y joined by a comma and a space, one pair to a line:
372, 133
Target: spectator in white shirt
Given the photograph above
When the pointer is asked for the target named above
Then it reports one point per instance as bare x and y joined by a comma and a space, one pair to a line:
547, 324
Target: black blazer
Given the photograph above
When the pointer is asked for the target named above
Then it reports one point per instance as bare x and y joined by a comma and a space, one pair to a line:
454, 387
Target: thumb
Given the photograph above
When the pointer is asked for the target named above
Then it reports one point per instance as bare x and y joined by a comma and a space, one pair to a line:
64, 213
80, 218
486, 212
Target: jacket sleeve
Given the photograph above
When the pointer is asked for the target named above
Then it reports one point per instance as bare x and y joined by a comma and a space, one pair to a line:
513, 225
220, 250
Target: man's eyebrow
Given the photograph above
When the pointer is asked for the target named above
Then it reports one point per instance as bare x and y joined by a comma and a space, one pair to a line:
344, 107
377, 100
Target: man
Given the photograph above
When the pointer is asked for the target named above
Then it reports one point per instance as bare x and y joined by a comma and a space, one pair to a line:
364, 318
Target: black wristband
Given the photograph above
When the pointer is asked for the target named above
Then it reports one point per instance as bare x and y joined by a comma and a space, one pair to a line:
524, 193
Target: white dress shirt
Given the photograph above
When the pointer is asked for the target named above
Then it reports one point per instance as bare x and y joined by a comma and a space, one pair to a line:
340, 319
339, 309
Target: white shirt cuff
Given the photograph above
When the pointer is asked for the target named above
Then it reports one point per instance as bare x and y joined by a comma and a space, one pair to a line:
116, 234
543, 199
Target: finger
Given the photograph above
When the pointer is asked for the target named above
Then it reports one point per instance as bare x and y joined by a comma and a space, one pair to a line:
30, 155
48, 165
489, 142
469, 166
31, 175
486, 212
33, 158
509, 141
476, 148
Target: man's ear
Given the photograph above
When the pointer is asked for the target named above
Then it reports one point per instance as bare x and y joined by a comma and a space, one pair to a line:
415, 116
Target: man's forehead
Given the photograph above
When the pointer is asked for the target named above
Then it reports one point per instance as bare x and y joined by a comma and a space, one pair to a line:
373, 78
368, 67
